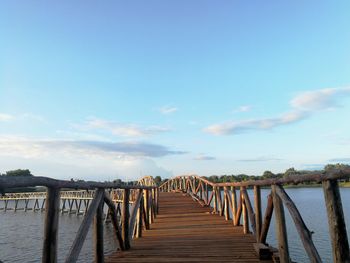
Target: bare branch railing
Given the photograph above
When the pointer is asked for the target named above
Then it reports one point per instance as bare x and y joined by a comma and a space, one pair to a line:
143, 198
223, 199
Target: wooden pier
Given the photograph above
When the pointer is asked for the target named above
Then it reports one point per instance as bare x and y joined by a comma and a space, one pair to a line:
189, 219
185, 231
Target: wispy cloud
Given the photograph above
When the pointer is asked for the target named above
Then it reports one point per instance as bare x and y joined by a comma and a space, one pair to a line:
125, 130
168, 110
255, 124
24, 147
243, 108
6, 117
339, 160
204, 158
260, 159
303, 106
317, 100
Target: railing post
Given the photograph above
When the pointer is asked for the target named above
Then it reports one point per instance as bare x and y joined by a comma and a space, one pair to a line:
245, 213
139, 218
234, 203
337, 227
146, 209
51, 225
227, 204
215, 201
280, 227
258, 217
125, 219
267, 219
98, 233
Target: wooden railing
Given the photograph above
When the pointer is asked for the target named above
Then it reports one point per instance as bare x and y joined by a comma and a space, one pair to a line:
232, 201
71, 201
127, 224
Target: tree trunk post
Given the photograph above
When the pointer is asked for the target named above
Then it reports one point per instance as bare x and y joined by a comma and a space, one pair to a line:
336, 222
51, 225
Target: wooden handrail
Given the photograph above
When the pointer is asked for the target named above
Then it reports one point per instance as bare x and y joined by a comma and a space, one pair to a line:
318, 177
197, 187
29, 181
94, 210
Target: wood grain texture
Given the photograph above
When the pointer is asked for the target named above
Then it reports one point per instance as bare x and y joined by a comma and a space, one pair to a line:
184, 231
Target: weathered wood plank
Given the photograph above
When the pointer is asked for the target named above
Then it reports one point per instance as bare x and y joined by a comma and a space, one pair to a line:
184, 231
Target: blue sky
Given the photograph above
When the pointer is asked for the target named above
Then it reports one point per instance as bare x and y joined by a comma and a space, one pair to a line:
122, 89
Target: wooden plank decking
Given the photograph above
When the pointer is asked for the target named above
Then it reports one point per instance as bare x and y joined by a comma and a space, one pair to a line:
186, 232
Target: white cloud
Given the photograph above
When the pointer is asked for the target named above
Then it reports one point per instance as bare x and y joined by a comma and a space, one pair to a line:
125, 130
303, 106
95, 160
5, 117
319, 99
254, 124
168, 110
19, 146
202, 157
260, 159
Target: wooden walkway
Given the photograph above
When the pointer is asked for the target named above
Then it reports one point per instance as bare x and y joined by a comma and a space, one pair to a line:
186, 232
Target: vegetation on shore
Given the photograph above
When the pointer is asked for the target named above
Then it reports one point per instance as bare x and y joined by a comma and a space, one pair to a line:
291, 172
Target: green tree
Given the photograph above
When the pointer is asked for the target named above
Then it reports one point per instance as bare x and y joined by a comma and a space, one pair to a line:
291, 172
18, 172
268, 174
158, 180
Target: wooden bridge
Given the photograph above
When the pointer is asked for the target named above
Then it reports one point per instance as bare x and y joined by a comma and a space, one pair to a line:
190, 219
71, 202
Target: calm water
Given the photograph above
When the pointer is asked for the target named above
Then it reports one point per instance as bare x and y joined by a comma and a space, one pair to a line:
21, 235
21, 232
310, 203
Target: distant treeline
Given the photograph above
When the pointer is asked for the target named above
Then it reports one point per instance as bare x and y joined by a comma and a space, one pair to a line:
268, 175
214, 178
18, 172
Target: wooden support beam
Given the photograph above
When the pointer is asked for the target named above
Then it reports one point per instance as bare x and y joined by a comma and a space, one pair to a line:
139, 219
239, 211
133, 215
336, 222
84, 228
281, 230
250, 210
125, 219
304, 233
114, 218
258, 216
227, 204
145, 209
51, 226
245, 214
98, 234
267, 219
233, 203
